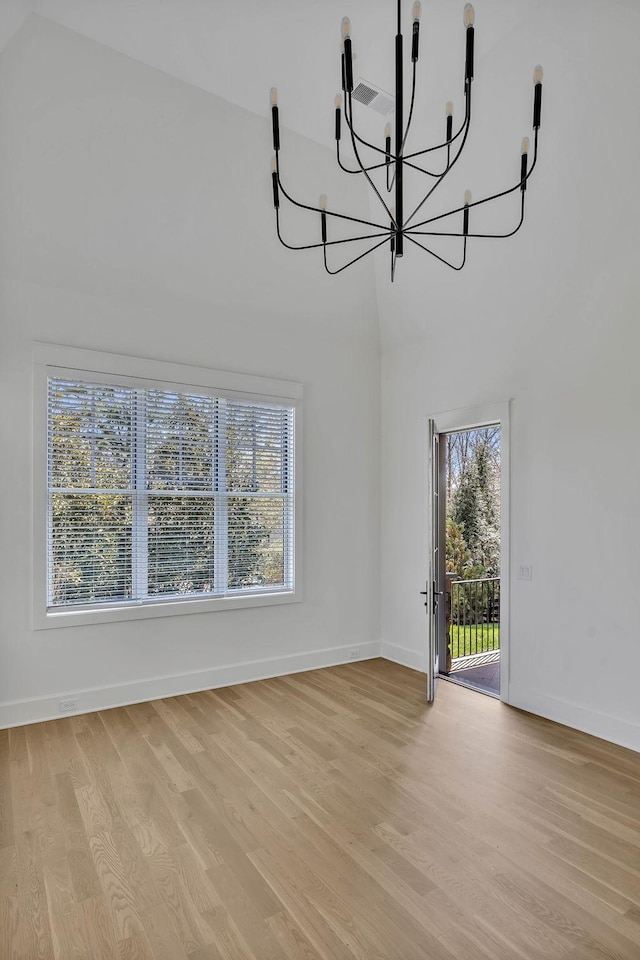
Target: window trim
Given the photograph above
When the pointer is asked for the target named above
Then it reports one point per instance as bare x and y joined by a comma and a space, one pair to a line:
54, 360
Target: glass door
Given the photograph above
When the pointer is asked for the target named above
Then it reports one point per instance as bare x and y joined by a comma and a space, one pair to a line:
435, 588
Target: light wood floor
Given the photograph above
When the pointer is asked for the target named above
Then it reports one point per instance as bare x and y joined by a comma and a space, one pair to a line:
330, 815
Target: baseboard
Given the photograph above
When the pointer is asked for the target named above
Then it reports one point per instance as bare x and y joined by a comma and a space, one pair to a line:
36, 710
601, 725
414, 659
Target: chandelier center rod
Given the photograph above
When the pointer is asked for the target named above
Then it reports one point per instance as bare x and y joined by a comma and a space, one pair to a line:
399, 122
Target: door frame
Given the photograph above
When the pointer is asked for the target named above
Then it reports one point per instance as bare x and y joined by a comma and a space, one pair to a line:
469, 418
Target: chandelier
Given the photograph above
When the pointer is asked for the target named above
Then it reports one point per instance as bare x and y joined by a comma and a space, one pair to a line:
400, 226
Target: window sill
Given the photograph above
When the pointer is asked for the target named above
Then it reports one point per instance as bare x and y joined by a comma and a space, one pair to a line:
163, 608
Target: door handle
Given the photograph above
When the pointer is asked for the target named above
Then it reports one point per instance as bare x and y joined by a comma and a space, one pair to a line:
436, 593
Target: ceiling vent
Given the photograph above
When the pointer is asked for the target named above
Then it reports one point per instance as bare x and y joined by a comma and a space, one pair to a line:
373, 97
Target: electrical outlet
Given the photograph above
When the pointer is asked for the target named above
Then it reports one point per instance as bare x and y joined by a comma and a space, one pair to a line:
66, 706
525, 571
354, 654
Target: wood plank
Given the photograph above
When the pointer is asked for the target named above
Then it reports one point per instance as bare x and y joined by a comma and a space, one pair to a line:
331, 815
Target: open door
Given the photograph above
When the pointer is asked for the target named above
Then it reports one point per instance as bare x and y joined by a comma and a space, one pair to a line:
483, 615
435, 591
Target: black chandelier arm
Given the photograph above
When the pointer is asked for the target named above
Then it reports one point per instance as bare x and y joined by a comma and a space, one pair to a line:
449, 167
406, 132
391, 185
355, 259
441, 259
366, 173
391, 182
411, 105
329, 213
496, 196
483, 236
439, 146
348, 115
447, 143
329, 243
376, 166
428, 172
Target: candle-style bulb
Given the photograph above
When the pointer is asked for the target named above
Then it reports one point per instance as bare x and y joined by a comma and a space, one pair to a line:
275, 120
449, 121
465, 213
415, 31
387, 131
524, 162
338, 117
274, 182
348, 56
323, 216
469, 17
537, 97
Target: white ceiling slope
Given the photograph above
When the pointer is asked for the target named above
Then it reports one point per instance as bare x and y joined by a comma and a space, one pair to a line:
238, 50
13, 13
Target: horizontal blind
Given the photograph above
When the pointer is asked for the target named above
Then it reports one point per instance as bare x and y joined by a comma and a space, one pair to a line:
90, 441
158, 494
259, 442
180, 451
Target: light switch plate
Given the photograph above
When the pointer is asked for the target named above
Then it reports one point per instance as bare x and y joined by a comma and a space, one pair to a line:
525, 571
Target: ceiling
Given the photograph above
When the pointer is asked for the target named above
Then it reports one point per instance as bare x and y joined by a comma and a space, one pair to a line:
239, 50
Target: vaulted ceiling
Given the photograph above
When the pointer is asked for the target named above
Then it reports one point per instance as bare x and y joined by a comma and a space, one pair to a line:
238, 50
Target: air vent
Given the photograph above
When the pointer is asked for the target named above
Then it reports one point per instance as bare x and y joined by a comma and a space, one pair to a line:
371, 96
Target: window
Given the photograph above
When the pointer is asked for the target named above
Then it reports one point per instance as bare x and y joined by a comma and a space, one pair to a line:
163, 495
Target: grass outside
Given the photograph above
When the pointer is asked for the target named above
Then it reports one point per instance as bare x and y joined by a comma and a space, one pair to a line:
474, 638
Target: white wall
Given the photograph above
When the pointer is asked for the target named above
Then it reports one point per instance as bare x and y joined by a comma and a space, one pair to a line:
550, 319
125, 226
136, 218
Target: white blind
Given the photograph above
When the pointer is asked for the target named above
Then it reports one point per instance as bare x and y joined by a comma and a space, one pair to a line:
160, 494
257, 486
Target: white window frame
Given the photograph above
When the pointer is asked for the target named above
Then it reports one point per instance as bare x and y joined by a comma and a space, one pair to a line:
53, 360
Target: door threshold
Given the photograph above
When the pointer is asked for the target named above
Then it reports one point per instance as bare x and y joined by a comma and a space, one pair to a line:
470, 686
